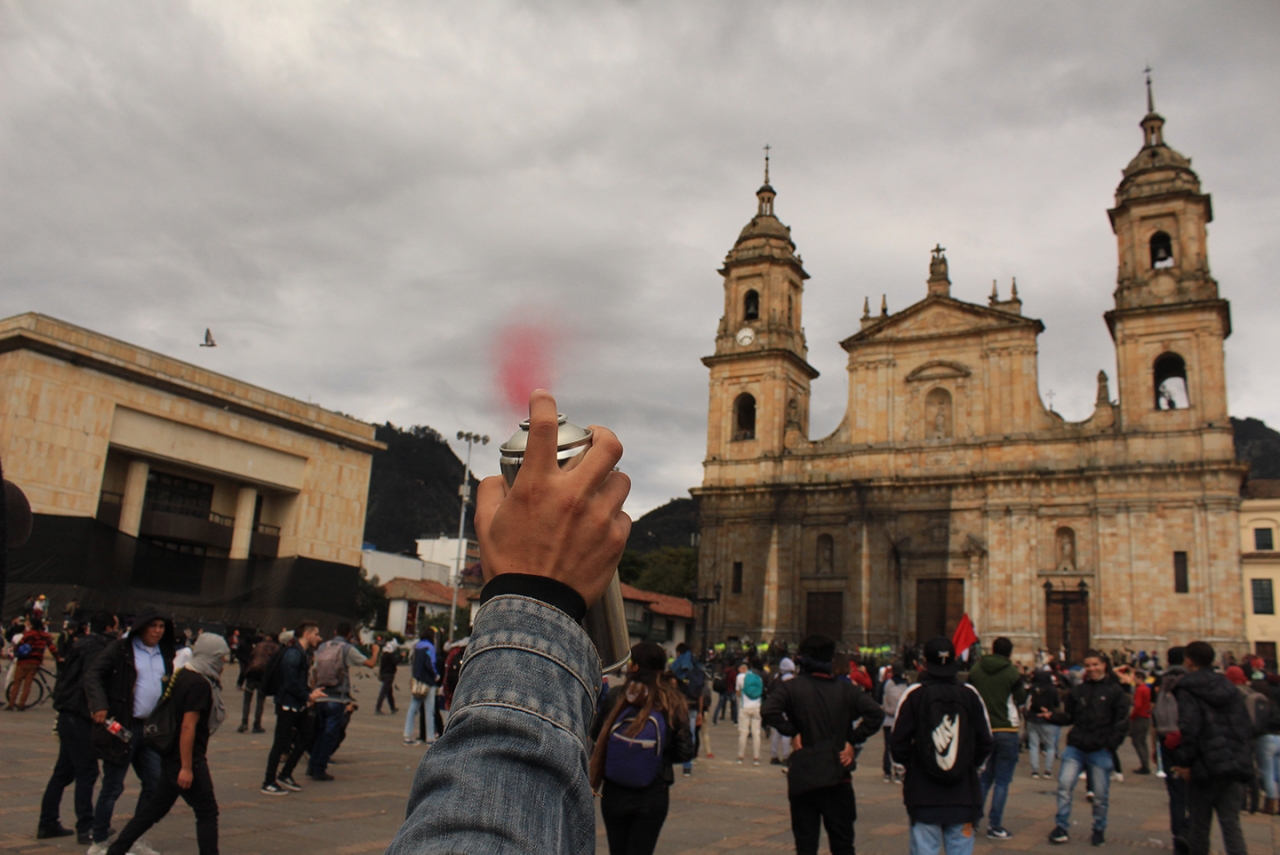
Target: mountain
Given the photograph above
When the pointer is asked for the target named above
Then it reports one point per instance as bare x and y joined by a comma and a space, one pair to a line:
1259, 446
672, 525
413, 489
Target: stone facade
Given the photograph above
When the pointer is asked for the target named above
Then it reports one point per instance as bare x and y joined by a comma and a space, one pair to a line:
87, 421
949, 487
1259, 530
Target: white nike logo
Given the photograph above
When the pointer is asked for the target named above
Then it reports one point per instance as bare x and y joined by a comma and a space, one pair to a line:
944, 740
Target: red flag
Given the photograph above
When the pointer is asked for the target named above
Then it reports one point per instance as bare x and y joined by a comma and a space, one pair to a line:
964, 638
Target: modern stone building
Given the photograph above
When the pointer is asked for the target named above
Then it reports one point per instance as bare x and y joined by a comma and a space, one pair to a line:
154, 480
949, 487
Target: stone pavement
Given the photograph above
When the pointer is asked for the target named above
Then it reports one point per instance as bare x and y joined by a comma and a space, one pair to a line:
723, 808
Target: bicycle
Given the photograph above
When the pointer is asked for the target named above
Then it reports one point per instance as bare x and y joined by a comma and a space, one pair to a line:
41, 687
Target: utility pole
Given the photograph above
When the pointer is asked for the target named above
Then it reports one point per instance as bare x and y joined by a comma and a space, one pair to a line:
464, 492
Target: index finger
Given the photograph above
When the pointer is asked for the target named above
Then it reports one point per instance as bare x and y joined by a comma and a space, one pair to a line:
544, 429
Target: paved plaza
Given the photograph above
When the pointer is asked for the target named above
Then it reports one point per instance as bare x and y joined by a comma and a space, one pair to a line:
724, 808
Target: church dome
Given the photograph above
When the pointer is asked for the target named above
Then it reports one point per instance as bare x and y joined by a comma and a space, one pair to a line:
1156, 168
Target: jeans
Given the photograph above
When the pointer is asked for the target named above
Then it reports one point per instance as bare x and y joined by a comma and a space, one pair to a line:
999, 771
1177, 789
199, 795
289, 741
835, 808
1099, 765
633, 818
933, 839
749, 726
387, 693
146, 765
329, 716
1269, 763
76, 762
510, 773
730, 698
1042, 736
693, 729
1204, 799
426, 705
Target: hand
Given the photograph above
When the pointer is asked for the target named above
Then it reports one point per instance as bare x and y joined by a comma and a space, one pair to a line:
1182, 772
1046, 714
846, 755
698, 721
795, 743
185, 778
566, 524
100, 717
316, 694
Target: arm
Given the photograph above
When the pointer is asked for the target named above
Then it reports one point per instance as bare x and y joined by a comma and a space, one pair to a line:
866, 709
1064, 716
773, 712
95, 681
517, 736
1019, 691
984, 741
902, 739
681, 743
1120, 706
186, 747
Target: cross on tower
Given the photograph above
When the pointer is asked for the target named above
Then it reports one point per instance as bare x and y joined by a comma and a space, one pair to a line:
938, 249
1151, 104
766, 162
1051, 396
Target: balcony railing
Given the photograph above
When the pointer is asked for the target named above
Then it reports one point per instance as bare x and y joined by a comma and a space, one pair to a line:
207, 529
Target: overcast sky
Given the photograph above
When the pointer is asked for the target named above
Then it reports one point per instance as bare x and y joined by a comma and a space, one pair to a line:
359, 197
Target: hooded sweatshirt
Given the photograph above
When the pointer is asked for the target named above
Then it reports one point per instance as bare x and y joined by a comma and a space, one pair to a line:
996, 679
1215, 728
109, 682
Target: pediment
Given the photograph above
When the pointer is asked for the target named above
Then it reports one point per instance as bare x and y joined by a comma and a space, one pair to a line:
939, 316
939, 369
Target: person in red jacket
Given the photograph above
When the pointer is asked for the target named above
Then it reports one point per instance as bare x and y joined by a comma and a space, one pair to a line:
1139, 716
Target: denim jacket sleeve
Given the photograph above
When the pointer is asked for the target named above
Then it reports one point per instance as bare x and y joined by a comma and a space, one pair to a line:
509, 775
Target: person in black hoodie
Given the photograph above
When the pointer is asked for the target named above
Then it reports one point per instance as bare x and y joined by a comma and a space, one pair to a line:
942, 806
76, 761
1211, 750
1098, 712
124, 684
820, 710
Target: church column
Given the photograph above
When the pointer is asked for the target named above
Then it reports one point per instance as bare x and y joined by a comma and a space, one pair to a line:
769, 612
241, 536
135, 493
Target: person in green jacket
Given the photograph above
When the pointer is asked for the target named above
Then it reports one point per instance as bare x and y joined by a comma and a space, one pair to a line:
999, 682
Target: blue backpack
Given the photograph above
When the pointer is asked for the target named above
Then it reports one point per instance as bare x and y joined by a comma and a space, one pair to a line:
635, 761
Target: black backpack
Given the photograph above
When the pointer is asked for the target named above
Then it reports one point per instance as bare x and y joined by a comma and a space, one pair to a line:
271, 672
944, 733
696, 683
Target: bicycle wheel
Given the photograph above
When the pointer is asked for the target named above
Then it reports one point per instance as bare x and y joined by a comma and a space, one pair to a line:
40, 691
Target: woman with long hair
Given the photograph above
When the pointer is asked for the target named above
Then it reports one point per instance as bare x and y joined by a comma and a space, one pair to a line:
633, 815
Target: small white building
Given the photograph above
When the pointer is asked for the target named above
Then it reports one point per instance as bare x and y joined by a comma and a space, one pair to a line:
394, 565
411, 601
444, 551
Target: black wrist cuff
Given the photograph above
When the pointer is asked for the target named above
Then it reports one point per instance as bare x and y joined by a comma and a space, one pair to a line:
542, 588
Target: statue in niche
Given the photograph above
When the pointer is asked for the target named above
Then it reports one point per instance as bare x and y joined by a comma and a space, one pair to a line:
793, 414
938, 414
1066, 550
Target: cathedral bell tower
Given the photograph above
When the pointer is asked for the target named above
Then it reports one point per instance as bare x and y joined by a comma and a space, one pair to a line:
759, 373
1169, 322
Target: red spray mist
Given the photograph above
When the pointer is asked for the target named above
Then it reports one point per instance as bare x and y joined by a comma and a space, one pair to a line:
525, 361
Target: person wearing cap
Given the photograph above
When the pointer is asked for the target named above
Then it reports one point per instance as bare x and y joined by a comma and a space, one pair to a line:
819, 710
1098, 711
942, 812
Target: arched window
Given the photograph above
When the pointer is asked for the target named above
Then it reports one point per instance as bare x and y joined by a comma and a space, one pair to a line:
1065, 543
751, 305
1170, 376
937, 414
744, 417
1161, 250
826, 558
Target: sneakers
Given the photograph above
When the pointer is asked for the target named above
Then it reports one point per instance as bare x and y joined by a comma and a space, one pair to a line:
99, 848
1088, 796
321, 776
1160, 773
274, 789
710, 756
1059, 835
412, 741
1143, 771
1097, 839
1118, 777
738, 761
755, 762
244, 728
888, 780
53, 831
288, 783
688, 773
1036, 775
142, 847
257, 728
998, 834
775, 762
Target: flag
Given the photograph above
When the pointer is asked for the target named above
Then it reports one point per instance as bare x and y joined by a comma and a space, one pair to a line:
964, 638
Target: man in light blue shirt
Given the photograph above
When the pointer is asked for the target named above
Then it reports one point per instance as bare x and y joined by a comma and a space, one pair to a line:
149, 663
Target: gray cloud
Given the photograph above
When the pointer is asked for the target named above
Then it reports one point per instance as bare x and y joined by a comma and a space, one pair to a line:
357, 197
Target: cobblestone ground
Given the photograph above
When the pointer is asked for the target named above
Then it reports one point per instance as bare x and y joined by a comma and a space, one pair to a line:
723, 808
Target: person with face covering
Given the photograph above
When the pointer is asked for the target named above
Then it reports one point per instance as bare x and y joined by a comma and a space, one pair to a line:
196, 693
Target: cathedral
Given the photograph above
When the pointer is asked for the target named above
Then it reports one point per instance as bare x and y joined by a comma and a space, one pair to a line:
948, 487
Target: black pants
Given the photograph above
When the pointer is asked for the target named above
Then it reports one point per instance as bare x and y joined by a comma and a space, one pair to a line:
249, 690
1204, 799
76, 763
199, 795
1177, 789
292, 737
835, 808
387, 693
633, 818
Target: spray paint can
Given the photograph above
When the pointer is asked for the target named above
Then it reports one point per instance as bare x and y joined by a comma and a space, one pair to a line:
606, 620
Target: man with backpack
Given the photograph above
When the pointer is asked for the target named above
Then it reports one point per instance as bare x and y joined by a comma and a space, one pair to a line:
1164, 716
999, 682
251, 682
1098, 711
820, 709
1211, 751
692, 679
286, 679
942, 736
334, 661
750, 686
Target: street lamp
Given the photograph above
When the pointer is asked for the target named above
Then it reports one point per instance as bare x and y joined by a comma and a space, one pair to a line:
705, 602
464, 492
